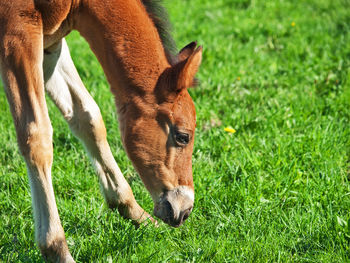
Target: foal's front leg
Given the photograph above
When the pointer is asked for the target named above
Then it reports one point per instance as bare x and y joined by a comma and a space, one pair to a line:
21, 66
66, 89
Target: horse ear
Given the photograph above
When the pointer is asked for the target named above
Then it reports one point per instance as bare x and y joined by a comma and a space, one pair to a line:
186, 51
188, 69
181, 75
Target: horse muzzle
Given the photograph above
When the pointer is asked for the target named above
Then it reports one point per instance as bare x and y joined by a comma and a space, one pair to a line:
175, 206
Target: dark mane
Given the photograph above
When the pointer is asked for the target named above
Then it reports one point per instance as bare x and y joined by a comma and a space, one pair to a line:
160, 18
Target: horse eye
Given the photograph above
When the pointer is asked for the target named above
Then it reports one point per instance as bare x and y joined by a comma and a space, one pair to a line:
182, 138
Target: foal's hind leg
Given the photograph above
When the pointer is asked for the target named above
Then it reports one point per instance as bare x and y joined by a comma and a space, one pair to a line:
21, 67
66, 89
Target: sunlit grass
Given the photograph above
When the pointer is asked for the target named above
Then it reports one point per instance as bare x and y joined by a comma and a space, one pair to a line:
276, 189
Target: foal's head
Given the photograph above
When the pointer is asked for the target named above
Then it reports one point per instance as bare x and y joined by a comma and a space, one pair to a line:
158, 134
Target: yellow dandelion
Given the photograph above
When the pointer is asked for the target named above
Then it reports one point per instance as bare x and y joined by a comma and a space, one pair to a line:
293, 24
238, 78
230, 130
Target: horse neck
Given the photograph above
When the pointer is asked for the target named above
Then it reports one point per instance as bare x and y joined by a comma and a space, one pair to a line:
126, 43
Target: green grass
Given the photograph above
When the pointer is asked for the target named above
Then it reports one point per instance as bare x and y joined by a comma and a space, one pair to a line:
277, 190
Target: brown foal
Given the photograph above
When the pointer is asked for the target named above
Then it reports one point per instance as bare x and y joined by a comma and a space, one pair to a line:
155, 111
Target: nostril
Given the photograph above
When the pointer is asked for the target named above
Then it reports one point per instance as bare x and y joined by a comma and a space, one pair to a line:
186, 214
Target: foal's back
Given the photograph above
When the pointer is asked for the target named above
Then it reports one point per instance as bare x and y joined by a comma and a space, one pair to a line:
52, 19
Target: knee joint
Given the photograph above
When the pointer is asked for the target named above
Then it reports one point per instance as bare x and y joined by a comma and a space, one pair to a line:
35, 142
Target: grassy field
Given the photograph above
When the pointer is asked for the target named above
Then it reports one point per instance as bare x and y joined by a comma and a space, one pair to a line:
277, 190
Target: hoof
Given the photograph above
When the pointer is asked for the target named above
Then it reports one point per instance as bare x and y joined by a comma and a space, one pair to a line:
146, 221
57, 251
136, 214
